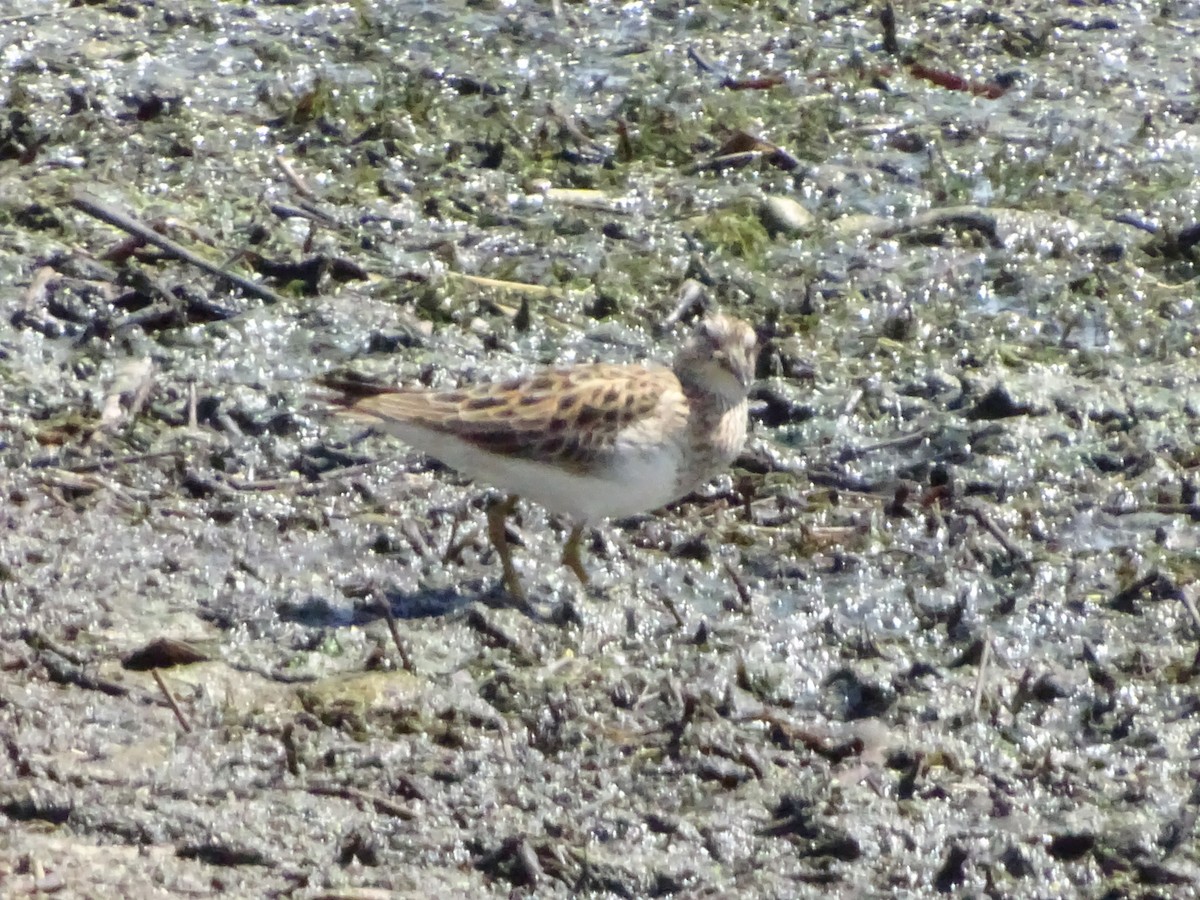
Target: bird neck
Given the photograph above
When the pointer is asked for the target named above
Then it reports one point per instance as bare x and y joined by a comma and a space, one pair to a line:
702, 396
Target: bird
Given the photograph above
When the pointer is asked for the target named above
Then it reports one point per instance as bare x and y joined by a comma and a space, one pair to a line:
587, 442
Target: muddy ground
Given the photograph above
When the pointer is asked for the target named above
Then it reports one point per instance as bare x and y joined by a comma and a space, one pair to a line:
935, 633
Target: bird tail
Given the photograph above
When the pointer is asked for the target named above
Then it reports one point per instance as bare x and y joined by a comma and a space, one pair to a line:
338, 393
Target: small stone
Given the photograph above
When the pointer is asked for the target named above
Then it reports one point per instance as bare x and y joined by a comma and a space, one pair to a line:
783, 215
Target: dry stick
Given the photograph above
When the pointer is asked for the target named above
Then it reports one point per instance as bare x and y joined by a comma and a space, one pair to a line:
852, 402
689, 296
24, 18
405, 659
899, 442
743, 592
1190, 606
726, 161
382, 804
985, 657
517, 287
93, 206
887, 18
417, 539
96, 465
968, 218
993, 529
298, 184
351, 471
193, 424
36, 291
494, 633
701, 62
166, 691
451, 548
267, 484
674, 611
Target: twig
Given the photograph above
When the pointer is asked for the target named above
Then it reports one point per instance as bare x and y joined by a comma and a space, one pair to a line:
726, 161
1165, 509
312, 216
1190, 606
498, 637
453, 548
134, 381
382, 804
518, 287
353, 471
690, 296
98, 464
752, 84
1124, 599
298, 184
93, 206
417, 539
25, 17
40, 641
166, 692
588, 198
993, 529
701, 63
851, 403
193, 424
35, 294
405, 659
674, 611
62, 671
887, 19
231, 486
900, 442
985, 657
740, 585
967, 218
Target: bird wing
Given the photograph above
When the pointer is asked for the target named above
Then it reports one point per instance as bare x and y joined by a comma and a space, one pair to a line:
572, 417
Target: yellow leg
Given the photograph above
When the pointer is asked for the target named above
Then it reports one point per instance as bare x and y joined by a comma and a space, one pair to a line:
497, 513
571, 558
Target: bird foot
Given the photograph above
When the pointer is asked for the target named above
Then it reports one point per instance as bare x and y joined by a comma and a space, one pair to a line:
497, 515
571, 558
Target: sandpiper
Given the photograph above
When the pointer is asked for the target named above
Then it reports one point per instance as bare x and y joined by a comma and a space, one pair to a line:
588, 442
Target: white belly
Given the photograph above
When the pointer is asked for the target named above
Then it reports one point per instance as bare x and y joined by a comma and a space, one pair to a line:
635, 480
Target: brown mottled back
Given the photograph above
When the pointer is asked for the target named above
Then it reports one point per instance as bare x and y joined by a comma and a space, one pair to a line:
573, 416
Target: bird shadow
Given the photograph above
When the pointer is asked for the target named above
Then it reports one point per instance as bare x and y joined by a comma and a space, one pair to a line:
425, 603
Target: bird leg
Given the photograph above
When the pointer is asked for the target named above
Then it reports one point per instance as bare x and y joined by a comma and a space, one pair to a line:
497, 513
570, 556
